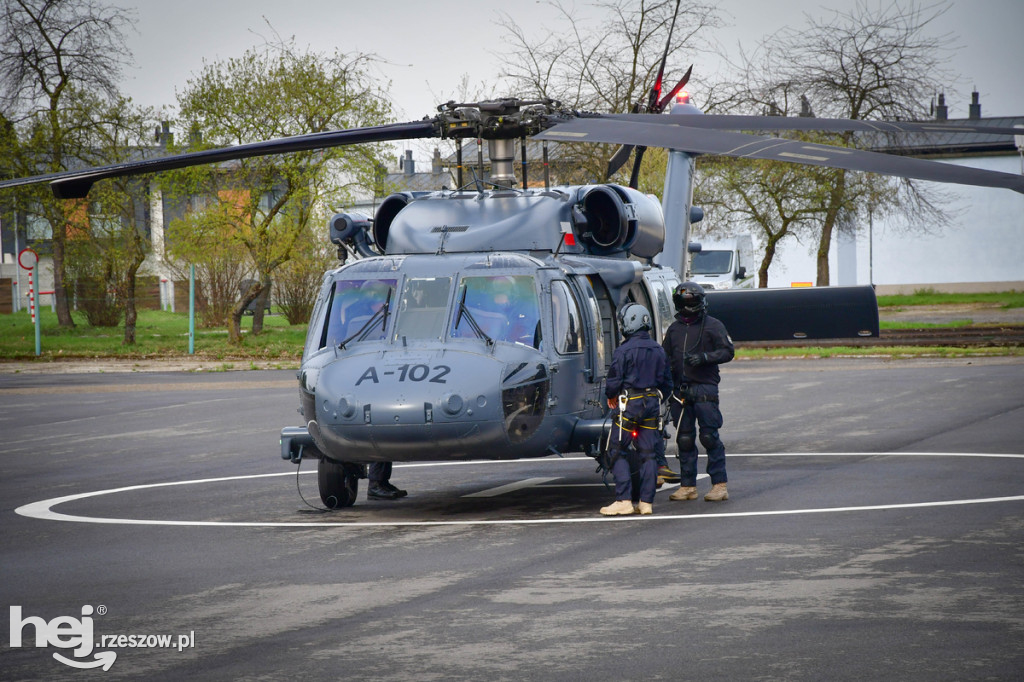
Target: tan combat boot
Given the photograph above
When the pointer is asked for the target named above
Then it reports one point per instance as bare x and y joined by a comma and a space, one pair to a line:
646, 508
618, 508
684, 493
717, 493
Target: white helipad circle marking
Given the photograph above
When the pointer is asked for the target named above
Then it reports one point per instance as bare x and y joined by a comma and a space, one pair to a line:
44, 508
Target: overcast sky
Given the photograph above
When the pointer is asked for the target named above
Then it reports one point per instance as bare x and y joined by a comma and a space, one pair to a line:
428, 45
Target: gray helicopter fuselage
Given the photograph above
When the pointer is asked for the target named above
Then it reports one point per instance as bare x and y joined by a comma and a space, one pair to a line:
426, 385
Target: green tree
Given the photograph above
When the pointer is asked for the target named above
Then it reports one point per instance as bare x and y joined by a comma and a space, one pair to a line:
298, 281
111, 240
206, 237
48, 50
271, 92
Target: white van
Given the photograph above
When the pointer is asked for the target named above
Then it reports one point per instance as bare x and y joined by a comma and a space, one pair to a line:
724, 264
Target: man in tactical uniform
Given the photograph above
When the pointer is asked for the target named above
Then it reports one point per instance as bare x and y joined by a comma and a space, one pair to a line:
696, 344
637, 380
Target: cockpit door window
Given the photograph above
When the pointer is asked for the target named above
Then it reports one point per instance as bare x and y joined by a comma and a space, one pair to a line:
566, 318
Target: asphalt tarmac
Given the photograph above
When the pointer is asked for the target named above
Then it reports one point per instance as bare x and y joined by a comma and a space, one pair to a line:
874, 530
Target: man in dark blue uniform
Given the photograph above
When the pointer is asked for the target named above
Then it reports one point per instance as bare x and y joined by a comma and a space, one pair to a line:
380, 487
696, 344
637, 380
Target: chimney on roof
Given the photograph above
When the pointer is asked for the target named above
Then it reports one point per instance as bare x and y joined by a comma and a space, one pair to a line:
164, 136
975, 111
941, 110
410, 166
435, 163
805, 107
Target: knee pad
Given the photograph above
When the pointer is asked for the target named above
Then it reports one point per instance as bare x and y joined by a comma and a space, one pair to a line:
646, 456
686, 442
709, 439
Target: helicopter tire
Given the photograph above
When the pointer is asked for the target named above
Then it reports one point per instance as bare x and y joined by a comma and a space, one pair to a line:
338, 483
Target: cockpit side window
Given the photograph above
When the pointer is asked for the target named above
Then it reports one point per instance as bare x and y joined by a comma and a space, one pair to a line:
421, 312
566, 317
356, 310
504, 307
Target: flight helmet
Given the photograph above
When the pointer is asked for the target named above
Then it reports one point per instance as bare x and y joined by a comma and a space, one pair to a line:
689, 299
634, 318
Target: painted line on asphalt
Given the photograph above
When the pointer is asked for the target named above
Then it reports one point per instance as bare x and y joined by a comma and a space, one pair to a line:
44, 508
518, 485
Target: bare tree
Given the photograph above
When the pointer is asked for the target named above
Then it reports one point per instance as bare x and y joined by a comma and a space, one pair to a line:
49, 48
863, 64
605, 62
780, 199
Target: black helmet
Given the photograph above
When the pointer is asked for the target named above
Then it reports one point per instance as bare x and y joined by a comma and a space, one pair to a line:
689, 299
634, 318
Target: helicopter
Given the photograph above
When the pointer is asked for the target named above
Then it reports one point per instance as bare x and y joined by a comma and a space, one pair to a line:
480, 321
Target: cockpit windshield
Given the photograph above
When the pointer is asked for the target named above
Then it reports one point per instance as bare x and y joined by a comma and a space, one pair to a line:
711, 262
421, 313
357, 310
503, 307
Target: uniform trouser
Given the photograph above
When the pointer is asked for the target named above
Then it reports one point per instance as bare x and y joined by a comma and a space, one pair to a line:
698, 410
641, 418
380, 472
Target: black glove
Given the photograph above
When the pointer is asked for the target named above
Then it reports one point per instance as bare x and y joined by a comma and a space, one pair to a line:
696, 359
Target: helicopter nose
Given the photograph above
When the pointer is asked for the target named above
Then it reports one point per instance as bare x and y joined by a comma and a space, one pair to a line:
413, 405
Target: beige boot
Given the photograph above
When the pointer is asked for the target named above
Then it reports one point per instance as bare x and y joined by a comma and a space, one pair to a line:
618, 508
646, 508
684, 493
717, 493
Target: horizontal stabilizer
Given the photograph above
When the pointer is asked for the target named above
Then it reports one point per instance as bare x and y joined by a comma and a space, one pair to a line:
796, 314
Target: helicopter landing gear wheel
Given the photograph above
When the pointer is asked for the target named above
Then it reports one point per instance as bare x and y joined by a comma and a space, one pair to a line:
338, 483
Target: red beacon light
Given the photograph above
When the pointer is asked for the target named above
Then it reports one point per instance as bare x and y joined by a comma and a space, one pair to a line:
683, 97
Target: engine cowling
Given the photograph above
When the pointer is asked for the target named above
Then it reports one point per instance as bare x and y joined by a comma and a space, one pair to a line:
611, 219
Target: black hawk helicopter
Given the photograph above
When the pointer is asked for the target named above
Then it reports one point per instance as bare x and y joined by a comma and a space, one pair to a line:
479, 322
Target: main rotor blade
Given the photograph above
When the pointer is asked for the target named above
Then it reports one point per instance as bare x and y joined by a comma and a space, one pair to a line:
681, 137
620, 157
730, 122
655, 96
76, 184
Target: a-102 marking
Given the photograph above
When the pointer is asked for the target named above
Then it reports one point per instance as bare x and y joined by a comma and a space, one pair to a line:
409, 372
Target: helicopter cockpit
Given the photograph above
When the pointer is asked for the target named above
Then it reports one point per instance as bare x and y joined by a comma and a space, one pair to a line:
495, 308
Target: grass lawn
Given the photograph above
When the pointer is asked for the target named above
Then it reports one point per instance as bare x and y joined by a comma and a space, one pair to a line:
162, 334
157, 333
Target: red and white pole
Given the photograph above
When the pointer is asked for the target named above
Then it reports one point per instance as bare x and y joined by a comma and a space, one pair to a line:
28, 259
